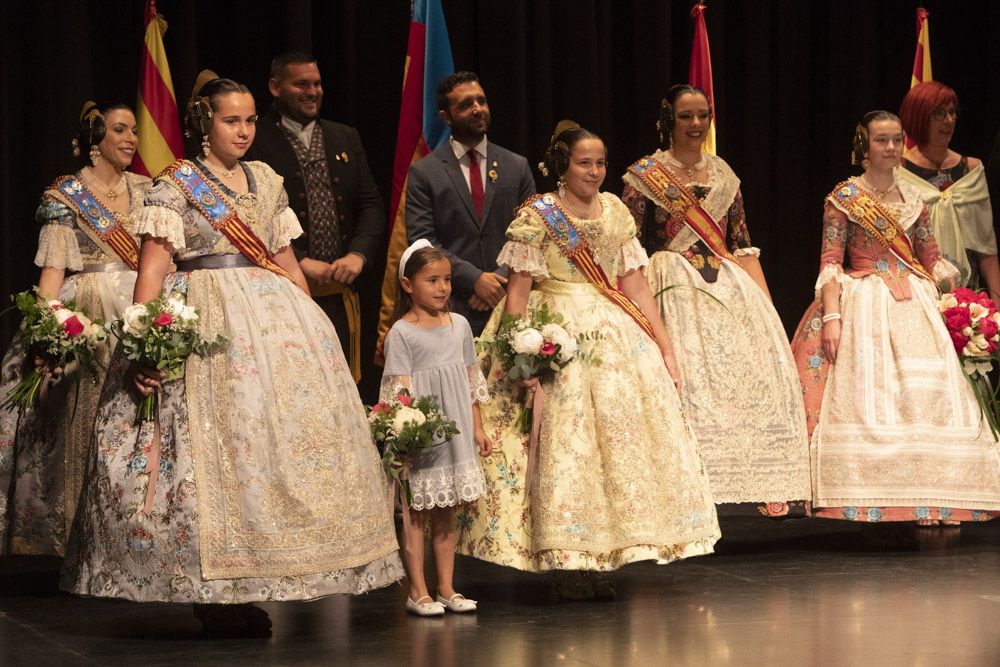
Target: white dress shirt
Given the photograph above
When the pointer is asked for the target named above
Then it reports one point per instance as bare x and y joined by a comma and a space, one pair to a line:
462, 155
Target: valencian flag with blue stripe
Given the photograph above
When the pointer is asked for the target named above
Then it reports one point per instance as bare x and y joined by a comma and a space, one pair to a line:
160, 139
421, 130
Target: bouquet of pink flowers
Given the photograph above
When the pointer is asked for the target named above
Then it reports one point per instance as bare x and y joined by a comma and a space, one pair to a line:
537, 346
404, 425
973, 323
161, 334
58, 331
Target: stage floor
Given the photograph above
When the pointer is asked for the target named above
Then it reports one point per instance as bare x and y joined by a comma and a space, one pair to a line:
798, 592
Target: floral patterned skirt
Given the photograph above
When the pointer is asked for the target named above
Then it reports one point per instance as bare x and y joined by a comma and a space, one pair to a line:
43, 452
618, 477
740, 390
258, 481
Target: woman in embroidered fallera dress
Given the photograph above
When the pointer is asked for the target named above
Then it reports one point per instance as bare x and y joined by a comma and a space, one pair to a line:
952, 186
87, 252
739, 387
618, 477
897, 434
258, 480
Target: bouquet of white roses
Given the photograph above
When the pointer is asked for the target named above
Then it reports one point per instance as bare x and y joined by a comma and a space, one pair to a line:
404, 425
161, 334
537, 346
58, 331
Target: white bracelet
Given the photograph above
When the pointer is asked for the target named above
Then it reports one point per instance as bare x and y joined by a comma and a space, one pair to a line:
829, 317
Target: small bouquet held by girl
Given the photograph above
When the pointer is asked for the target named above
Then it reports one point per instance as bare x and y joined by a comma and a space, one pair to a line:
536, 347
402, 426
973, 323
161, 334
59, 333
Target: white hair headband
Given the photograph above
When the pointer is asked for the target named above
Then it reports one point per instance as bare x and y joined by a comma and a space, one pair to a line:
415, 246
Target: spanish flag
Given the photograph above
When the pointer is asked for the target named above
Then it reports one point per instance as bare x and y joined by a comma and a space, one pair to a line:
922, 59
160, 140
700, 74
421, 130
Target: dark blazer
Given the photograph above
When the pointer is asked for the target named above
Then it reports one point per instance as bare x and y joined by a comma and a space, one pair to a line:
439, 208
359, 204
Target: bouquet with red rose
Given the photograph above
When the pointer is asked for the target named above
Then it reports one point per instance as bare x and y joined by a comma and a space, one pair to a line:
973, 323
58, 332
161, 334
535, 347
402, 426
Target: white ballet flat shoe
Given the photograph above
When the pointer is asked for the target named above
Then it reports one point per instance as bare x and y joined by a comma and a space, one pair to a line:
429, 608
457, 603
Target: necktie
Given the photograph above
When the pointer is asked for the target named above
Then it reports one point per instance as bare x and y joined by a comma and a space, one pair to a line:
476, 183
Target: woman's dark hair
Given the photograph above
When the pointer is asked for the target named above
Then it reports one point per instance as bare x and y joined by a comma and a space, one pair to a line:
418, 260
567, 135
205, 101
860, 145
665, 122
91, 127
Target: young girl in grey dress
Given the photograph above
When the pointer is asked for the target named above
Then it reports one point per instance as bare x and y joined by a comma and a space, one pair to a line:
430, 351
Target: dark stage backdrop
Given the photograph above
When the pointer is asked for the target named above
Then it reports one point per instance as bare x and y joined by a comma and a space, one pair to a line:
791, 79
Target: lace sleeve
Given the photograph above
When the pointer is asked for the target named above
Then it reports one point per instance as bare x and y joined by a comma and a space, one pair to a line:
162, 215
391, 385
518, 256
58, 247
285, 225
632, 256
478, 390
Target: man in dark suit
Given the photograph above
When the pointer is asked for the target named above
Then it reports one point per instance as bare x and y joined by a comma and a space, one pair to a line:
462, 196
331, 190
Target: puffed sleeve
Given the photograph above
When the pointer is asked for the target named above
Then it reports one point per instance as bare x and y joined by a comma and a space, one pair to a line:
632, 255
831, 262
398, 369
58, 247
477, 382
162, 215
524, 250
285, 226
737, 234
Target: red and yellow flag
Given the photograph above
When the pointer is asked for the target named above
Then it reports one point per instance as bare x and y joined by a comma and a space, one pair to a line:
421, 130
700, 73
922, 59
160, 139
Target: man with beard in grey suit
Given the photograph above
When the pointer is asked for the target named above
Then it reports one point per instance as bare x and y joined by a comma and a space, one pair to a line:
462, 197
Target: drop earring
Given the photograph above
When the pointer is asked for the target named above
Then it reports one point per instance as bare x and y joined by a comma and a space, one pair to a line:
562, 188
205, 145
95, 153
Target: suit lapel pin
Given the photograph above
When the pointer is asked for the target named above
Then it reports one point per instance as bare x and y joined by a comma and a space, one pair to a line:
493, 173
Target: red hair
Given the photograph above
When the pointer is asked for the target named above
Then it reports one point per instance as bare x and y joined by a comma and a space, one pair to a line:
920, 101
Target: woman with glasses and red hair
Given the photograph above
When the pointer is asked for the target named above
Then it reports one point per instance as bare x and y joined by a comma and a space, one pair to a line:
952, 185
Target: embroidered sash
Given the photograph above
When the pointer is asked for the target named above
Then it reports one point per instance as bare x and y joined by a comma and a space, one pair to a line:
879, 222
680, 202
100, 220
575, 250
206, 198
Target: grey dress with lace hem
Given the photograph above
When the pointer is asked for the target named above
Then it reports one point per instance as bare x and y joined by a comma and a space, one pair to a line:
440, 361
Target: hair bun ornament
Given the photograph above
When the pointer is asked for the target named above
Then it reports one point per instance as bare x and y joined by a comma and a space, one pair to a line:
562, 126
89, 120
198, 115
542, 168
415, 246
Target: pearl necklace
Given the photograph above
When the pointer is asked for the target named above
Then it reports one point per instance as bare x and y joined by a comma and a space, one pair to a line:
689, 169
111, 193
222, 171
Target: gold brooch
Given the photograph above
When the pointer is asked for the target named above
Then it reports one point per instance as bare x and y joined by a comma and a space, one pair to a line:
493, 172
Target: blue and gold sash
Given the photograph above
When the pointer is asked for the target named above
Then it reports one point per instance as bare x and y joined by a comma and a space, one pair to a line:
575, 250
874, 218
100, 220
212, 204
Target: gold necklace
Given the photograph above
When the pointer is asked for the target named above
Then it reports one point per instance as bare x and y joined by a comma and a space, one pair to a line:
577, 213
111, 193
689, 169
879, 194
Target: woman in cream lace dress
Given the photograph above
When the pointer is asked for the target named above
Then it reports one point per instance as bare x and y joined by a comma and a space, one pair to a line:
618, 477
